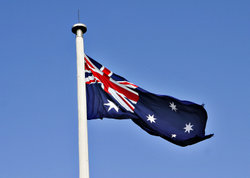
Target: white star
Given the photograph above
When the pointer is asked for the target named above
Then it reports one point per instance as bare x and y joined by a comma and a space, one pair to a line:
173, 135
151, 118
188, 127
173, 106
111, 106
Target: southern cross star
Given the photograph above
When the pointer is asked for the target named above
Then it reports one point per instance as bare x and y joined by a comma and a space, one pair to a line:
173, 135
173, 106
151, 118
188, 127
111, 106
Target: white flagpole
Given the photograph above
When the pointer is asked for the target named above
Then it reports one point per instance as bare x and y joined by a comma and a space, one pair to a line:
79, 29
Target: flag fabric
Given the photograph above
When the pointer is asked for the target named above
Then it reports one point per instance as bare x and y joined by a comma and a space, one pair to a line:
112, 96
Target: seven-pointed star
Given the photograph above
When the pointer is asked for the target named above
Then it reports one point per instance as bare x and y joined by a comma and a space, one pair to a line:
188, 127
151, 118
111, 106
173, 135
173, 106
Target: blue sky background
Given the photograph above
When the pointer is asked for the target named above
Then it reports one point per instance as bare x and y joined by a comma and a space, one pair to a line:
192, 50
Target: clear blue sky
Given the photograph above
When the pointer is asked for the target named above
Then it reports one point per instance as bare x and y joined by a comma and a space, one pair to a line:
193, 50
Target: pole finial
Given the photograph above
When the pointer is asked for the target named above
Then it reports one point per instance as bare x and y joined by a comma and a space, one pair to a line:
79, 25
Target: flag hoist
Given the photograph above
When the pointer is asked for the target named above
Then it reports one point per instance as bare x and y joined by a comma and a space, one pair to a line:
79, 29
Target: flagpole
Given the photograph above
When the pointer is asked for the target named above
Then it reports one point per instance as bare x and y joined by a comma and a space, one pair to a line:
79, 29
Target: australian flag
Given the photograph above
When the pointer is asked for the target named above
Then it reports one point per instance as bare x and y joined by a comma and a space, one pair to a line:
112, 96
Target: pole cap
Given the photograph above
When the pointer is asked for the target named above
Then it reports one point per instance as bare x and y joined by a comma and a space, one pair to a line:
80, 26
